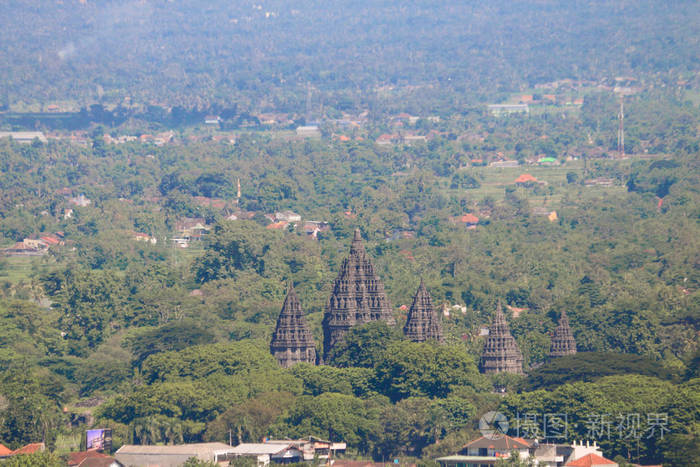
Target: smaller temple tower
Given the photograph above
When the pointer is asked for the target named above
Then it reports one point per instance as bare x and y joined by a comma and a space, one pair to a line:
292, 341
501, 353
423, 322
563, 342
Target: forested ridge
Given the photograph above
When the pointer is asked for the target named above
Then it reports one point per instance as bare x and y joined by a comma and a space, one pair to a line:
112, 314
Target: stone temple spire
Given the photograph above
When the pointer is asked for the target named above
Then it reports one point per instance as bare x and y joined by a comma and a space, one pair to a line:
292, 341
358, 297
423, 322
501, 353
563, 342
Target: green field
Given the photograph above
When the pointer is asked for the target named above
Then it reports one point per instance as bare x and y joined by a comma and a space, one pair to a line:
17, 268
495, 181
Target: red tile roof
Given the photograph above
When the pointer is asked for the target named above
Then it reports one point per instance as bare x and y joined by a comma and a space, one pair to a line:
590, 460
4, 450
504, 443
76, 458
51, 240
469, 219
29, 449
525, 178
277, 225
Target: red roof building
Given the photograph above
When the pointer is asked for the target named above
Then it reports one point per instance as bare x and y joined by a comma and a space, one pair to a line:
76, 458
526, 178
592, 460
51, 240
504, 444
5, 451
277, 225
29, 449
469, 219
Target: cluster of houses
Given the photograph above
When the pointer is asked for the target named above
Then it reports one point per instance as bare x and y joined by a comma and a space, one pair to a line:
35, 245
486, 451
190, 229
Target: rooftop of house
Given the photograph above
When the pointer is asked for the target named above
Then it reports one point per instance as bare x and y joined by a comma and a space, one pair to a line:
469, 219
29, 449
591, 460
504, 443
260, 448
525, 178
179, 449
76, 458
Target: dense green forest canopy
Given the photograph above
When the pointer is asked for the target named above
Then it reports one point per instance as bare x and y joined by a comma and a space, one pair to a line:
268, 54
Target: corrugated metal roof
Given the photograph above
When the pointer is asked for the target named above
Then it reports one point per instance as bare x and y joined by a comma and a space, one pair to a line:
259, 448
194, 449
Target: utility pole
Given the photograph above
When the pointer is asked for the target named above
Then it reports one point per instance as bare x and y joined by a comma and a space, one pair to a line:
621, 129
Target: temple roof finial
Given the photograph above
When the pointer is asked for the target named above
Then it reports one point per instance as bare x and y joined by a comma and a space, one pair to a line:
357, 237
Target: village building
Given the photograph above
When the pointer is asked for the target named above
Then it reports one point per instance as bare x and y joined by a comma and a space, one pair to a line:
358, 297
144, 237
313, 228
308, 131
414, 139
27, 449
5, 451
80, 201
312, 448
600, 181
91, 458
27, 247
173, 456
508, 163
469, 220
501, 353
563, 342
423, 322
387, 139
492, 450
526, 179
292, 341
24, 137
498, 110
192, 228
288, 216
592, 460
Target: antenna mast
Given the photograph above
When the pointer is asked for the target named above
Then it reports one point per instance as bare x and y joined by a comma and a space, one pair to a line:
621, 129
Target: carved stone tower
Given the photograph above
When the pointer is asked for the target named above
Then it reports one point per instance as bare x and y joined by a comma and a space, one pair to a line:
423, 322
292, 341
358, 297
501, 353
563, 342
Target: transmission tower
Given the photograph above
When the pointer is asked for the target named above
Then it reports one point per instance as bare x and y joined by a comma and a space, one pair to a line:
621, 128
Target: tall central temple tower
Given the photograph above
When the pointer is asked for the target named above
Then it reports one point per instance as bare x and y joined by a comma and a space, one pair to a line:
501, 353
358, 297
